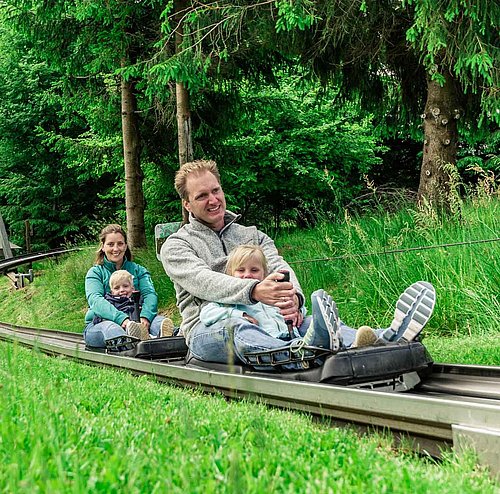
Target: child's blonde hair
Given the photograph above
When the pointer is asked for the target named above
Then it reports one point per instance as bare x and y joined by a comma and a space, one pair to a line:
119, 276
240, 255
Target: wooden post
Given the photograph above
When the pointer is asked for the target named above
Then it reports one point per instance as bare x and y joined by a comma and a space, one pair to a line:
27, 235
4, 240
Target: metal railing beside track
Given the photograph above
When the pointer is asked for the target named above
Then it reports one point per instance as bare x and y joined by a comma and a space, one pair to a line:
436, 415
13, 262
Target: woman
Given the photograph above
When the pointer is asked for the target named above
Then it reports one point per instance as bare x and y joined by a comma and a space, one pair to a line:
114, 254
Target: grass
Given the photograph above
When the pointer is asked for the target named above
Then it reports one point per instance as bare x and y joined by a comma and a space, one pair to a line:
66, 428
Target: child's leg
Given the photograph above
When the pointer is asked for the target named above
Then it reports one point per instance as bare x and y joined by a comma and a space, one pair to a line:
161, 326
95, 335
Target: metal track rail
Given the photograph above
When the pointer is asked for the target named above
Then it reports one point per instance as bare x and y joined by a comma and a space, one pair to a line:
457, 405
13, 262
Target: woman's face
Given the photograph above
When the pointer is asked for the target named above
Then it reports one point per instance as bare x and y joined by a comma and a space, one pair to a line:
114, 248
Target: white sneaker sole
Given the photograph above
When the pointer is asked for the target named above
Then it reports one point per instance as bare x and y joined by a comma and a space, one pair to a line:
413, 310
137, 330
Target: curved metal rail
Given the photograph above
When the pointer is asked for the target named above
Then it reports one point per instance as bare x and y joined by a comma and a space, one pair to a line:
457, 405
13, 262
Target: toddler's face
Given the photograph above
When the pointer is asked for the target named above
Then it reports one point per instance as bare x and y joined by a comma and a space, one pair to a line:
122, 289
250, 270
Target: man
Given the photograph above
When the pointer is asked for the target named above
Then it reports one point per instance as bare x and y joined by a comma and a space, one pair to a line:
195, 259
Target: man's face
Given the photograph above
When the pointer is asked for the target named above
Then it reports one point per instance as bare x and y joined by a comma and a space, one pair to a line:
206, 199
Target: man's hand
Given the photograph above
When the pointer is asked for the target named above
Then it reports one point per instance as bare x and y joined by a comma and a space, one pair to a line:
269, 292
282, 295
291, 312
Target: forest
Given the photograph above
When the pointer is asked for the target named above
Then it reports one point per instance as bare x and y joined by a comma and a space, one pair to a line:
308, 106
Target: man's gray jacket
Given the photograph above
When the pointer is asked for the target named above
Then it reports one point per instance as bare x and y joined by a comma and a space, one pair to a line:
195, 259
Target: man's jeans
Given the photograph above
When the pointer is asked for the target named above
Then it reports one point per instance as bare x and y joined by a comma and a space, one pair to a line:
228, 341
95, 335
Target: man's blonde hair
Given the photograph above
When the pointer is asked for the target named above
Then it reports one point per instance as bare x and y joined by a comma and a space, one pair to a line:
119, 276
243, 253
197, 166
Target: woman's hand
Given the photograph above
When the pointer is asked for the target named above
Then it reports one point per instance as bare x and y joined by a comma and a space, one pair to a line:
125, 322
145, 322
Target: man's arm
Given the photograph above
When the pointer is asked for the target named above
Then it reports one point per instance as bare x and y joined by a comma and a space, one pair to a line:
276, 262
290, 309
185, 267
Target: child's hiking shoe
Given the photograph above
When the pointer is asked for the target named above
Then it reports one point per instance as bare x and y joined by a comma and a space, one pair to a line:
166, 328
365, 336
121, 343
413, 310
323, 329
137, 330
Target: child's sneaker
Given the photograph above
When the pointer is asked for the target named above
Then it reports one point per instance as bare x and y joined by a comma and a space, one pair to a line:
323, 329
137, 330
121, 344
413, 310
365, 336
166, 328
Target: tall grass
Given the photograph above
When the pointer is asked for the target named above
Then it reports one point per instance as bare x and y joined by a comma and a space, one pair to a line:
350, 260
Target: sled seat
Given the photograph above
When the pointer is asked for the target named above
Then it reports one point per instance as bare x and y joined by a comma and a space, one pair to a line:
369, 367
167, 348
162, 232
170, 347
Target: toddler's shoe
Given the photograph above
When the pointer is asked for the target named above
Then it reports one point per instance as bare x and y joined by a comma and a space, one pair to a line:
137, 330
365, 336
166, 328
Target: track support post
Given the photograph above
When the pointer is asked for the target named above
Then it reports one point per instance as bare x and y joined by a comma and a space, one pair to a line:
484, 441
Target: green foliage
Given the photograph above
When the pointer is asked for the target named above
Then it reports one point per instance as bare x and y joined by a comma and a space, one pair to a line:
460, 349
39, 183
291, 146
287, 153
461, 37
365, 281
62, 151
294, 15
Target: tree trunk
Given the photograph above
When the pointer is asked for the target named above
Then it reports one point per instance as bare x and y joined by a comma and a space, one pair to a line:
134, 196
183, 124
184, 136
440, 145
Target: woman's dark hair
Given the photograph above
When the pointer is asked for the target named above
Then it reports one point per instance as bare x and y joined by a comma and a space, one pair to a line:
99, 259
